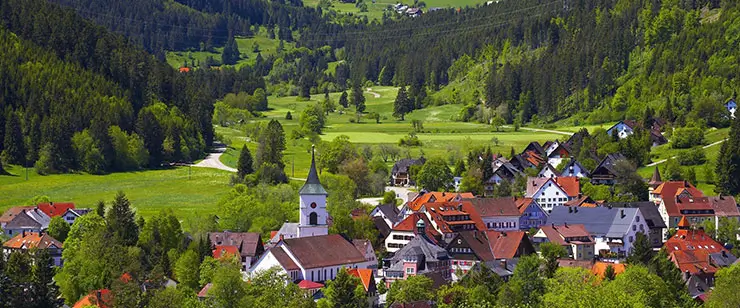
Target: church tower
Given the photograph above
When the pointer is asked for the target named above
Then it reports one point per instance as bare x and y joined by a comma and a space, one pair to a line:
313, 213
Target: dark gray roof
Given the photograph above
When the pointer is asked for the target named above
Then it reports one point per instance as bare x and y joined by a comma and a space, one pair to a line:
599, 221
390, 211
696, 286
648, 209
722, 259
418, 246
313, 185
404, 164
609, 161
573, 163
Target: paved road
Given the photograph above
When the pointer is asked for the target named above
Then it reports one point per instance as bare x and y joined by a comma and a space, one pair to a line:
401, 193
213, 161
375, 94
542, 130
664, 160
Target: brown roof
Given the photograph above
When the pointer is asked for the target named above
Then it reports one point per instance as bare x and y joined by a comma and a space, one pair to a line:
522, 204
97, 298
506, 244
580, 201
435, 196
559, 234
724, 206
249, 243
323, 251
409, 225
570, 185
29, 240
690, 249
446, 215
491, 207
12, 212
478, 243
282, 257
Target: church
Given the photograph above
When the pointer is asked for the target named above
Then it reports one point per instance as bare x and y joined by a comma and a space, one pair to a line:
305, 250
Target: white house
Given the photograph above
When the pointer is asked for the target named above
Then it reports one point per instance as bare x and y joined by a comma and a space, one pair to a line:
406, 230
313, 258
72, 214
613, 229
500, 214
548, 171
731, 106
622, 129
574, 168
552, 192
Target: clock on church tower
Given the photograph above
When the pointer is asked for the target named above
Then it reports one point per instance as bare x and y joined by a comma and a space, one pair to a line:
313, 215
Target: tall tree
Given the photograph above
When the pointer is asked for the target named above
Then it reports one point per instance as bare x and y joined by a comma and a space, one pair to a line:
45, 291
269, 158
121, 221
358, 97
641, 252
728, 162
551, 252
526, 286
58, 228
434, 175
15, 151
401, 104
245, 164
343, 100
725, 288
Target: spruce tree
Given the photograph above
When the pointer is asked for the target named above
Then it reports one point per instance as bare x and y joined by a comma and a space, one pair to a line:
400, 105
14, 152
244, 166
728, 162
641, 252
121, 221
343, 101
100, 208
358, 97
44, 289
5, 284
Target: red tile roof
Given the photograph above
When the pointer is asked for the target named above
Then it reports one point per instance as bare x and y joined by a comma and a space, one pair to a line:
690, 249
435, 196
323, 251
599, 268
225, 250
409, 225
724, 206
98, 298
492, 207
12, 212
447, 214
505, 244
679, 195
249, 244
32, 240
184, 70
570, 185
365, 275
522, 204
309, 285
55, 208
204, 292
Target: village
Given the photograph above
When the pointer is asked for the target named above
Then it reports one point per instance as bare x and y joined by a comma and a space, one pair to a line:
445, 235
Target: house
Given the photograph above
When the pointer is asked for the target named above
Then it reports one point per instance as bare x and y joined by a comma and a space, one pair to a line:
536, 148
604, 173
365, 247
548, 171
657, 138
367, 279
574, 169
28, 220
504, 171
400, 171
35, 240
413, 12
420, 256
310, 288
388, 213
11, 213
584, 201
469, 248
695, 253
574, 238
314, 258
677, 199
623, 129
247, 245
731, 106
652, 217
97, 298
613, 229
448, 218
54, 209
560, 151
531, 214
553, 192
72, 214
415, 203
406, 230
313, 218
500, 214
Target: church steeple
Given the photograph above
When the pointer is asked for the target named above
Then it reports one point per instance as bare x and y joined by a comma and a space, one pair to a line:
313, 184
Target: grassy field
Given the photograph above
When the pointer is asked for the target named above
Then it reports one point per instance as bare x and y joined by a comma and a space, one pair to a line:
267, 46
188, 193
375, 8
441, 136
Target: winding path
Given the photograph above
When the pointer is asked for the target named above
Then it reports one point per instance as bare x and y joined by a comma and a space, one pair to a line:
213, 160
542, 130
370, 91
664, 160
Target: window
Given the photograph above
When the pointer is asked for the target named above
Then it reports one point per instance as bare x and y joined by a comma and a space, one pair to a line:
630, 239
410, 270
313, 218
557, 193
634, 228
638, 218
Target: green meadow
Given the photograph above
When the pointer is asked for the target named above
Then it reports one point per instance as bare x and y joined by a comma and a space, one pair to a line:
188, 192
375, 8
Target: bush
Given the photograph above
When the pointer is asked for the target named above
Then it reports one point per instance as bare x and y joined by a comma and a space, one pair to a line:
687, 137
694, 156
410, 141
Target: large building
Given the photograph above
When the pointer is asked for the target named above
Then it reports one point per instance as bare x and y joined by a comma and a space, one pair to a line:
696, 254
247, 245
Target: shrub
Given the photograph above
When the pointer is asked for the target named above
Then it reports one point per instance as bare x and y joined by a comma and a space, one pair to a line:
687, 137
691, 157
410, 141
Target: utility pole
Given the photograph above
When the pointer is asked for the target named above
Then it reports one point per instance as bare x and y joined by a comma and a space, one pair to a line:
293, 167
190, 168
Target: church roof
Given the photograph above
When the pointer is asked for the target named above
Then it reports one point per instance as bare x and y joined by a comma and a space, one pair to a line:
313, 185
655, 180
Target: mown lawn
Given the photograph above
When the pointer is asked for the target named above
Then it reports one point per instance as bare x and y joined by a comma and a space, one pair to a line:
375, 8
188, 192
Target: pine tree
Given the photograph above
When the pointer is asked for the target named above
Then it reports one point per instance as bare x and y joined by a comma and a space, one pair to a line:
100, 208
343, 100
460, 168
400, 105
5, 284
14, 152
244, 165
121, 221
728, 162
609, 273
641, 252
358, 97
44, 289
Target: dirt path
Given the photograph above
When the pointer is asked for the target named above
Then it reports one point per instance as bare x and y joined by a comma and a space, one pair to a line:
542, 130
370, 91
664, 160
213, 159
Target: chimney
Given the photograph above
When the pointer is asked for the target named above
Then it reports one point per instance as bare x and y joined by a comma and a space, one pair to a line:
622, 213
565, 224
724, 254
570, 209
282, 237
23, 234
686, 275
534, 183
502, 263
575, 209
